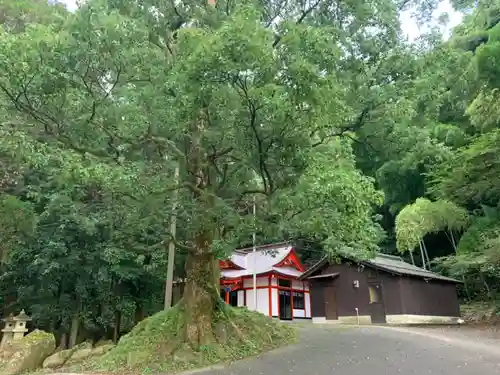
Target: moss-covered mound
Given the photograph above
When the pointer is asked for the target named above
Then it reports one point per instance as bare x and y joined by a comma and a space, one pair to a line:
155, 345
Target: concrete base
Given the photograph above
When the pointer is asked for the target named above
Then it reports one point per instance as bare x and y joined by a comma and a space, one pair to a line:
402, 319
292, 320
421, 319
362, 319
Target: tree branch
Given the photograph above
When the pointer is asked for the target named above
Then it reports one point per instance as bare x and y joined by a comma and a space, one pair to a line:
301, 19
252, 111
343, 132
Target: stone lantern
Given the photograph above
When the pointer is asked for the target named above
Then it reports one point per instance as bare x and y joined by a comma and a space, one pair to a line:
8, 331
15, 327
20, 325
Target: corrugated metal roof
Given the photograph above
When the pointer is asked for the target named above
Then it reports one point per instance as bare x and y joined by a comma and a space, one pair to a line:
388, 263
396, 264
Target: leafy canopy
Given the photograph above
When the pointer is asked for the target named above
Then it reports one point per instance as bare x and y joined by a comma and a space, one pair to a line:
242, 111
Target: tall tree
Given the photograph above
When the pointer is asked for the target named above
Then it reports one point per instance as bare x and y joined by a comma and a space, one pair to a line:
252, 100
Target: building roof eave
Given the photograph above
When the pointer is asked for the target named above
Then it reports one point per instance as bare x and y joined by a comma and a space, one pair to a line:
326, 276
314, 268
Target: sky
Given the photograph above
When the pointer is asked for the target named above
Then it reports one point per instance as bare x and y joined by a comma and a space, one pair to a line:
410, 27
412, 30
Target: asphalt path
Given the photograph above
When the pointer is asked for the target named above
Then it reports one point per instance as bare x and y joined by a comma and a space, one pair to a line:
327, 350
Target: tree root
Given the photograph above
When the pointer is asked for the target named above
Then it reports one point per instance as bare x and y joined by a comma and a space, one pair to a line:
161, 341
240, 333
226, 312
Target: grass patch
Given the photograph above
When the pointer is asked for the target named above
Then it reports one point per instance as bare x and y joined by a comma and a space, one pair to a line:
155, 345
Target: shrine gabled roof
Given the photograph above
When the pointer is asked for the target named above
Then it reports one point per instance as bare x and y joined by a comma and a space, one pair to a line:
270, 258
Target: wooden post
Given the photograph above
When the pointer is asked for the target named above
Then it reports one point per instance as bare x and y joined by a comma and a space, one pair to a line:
171, 246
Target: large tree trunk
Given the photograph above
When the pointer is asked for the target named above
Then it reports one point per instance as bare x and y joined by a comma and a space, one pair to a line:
63, 343
139, 313
201, 293
75, 328
117, 326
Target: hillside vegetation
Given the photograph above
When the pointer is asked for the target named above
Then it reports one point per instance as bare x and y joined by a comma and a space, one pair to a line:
345, 136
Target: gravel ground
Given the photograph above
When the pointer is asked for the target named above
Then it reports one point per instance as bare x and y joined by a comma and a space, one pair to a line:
373, 350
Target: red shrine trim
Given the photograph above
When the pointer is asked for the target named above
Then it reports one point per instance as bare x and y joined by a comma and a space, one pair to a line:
291, 260
229, 265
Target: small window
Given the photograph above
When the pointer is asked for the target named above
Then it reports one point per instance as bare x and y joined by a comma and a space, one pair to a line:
285, 283
374, 291
299, 301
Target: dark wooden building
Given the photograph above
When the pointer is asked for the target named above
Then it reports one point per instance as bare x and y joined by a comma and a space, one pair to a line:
384, 289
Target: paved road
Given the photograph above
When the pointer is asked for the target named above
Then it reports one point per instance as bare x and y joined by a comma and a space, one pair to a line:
373, 351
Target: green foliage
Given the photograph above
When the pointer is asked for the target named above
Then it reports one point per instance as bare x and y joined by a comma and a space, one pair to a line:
101, 105
322, 184
17, 222
423, 217
471, 176
154, 345
260, 106
86, 251
299, 107
15, 16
